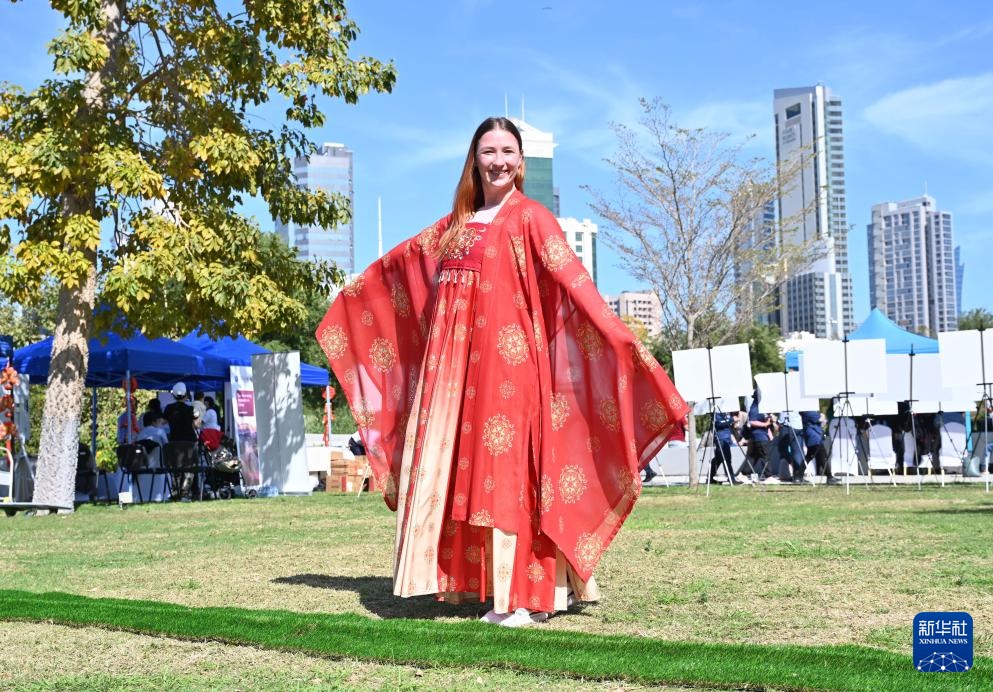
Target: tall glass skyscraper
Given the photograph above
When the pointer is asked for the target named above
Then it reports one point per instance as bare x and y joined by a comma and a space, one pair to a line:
330, 169
812, 209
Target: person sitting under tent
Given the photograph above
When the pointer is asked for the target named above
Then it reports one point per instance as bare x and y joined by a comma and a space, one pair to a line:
154, 405
198, 404
182, 428
212, 406
180, 416
210, 429
155, 428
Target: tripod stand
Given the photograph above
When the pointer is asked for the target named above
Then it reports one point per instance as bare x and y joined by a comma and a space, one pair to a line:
846, 415
913, 423
987, 400
796, 450
711, 435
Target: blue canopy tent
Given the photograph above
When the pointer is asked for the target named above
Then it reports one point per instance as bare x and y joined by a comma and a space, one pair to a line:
879, 326
155, 363
792, 360
239, 351
898, 340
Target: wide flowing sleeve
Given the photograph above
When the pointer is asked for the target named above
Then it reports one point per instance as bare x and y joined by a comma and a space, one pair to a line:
374, 335
607, 404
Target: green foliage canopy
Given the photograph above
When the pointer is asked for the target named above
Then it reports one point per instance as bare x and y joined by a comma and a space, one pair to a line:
148, 126
977, 318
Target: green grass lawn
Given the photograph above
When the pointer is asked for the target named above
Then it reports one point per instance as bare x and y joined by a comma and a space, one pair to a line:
745, 588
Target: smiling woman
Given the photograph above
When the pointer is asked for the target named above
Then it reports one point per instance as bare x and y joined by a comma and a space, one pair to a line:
505, 409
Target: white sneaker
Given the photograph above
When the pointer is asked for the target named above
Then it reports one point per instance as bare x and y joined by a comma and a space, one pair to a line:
522, 617
743, 479
772, 480
494, 618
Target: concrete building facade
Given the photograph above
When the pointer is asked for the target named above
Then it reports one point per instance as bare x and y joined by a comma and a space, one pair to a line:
581, 236
912, 267
643, 306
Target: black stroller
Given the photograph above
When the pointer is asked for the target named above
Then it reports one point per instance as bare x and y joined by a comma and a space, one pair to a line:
224, 471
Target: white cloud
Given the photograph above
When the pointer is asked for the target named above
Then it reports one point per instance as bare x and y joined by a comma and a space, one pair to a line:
583, 105
952, 117
417, 146
739, 119
861, 62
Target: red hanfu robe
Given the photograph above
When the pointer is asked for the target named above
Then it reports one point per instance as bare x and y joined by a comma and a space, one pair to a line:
558, 407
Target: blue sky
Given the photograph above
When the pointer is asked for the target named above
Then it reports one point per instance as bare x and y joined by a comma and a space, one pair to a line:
916, 79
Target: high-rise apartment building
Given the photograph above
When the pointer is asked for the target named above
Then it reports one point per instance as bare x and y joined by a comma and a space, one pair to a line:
912, 265
329, 169
581, 236
643, 306
539, 148
759, 233
809, 136
959, 277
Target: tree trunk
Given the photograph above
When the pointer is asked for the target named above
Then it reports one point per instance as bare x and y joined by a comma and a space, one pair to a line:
56, 474
691, 442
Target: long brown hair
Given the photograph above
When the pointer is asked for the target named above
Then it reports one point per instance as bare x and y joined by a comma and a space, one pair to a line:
469, 191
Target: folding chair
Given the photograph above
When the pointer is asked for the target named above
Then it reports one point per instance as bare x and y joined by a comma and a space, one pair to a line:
153, 467
131, 458
87, 475
953, 450
181, 458
844, 451
909, 452
881, 456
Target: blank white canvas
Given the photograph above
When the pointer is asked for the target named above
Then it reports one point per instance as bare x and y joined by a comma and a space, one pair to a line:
962, 358
732, 372
869, 406
726, 405
880, 407
867, 366
822, 368
691, 369
948, 406
927, 377
897, 377
781, 394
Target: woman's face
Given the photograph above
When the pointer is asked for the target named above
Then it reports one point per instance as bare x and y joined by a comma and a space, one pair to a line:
497, 159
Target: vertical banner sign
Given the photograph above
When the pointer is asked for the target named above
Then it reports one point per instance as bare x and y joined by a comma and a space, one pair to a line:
943, 642
245, 429
279, 412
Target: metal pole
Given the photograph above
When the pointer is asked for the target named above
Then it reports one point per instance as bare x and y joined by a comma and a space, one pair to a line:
93, 421
127, 403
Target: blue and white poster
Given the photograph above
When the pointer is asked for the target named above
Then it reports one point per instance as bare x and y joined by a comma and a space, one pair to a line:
943, 642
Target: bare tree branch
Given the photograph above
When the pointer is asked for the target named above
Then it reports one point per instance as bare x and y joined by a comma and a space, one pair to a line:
686, 218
